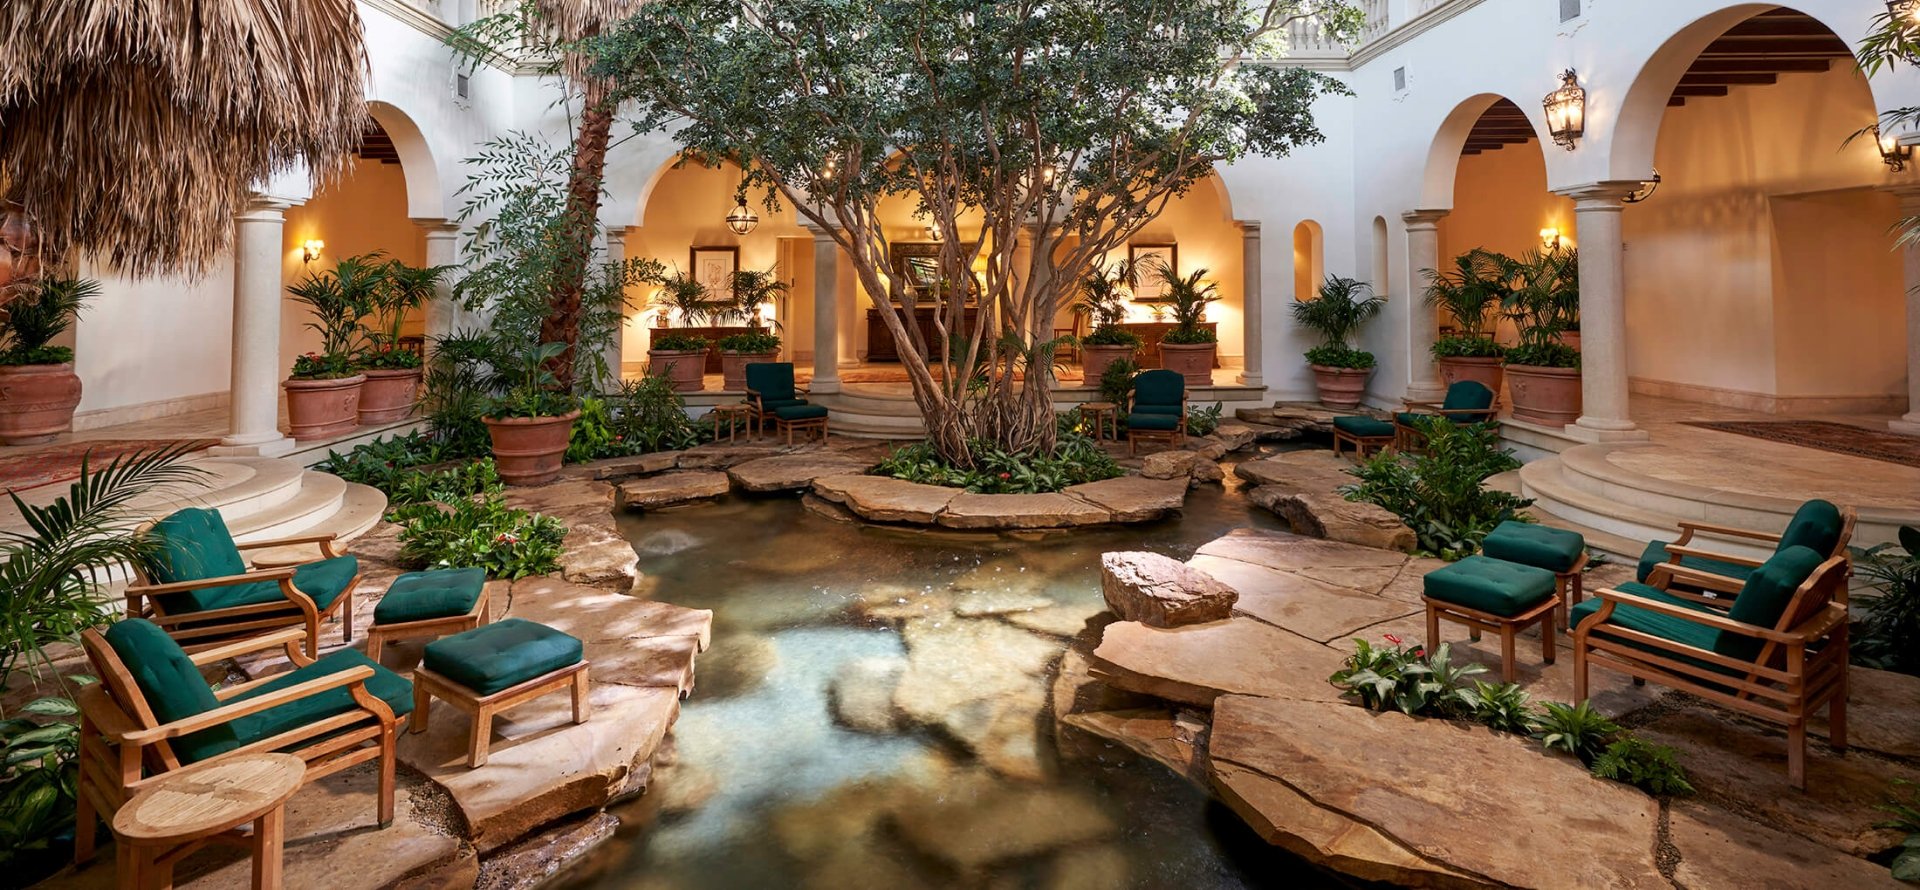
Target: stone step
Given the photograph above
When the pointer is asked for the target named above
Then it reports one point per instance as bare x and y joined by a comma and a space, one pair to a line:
312, 453
318, 497
1589, 469
238, 487
1616, 527
360, 508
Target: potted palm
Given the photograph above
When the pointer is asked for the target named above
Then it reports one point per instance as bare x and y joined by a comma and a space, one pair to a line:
1336, 313
1189, 348
1472, 292
323, 391
38, 389
1103, 294
393, 373
531, 421
1543, 372
680, 357
752, 292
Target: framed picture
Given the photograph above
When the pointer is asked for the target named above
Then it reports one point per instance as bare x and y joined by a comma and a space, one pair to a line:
714, 267
1148, 260
917, 265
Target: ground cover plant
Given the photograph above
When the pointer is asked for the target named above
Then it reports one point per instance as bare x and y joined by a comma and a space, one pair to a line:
1441, 493
1888, 635
1075, 459
459, 517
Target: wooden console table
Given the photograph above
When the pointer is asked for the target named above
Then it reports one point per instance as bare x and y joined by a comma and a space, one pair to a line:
712, 333
1152, 332
881, 346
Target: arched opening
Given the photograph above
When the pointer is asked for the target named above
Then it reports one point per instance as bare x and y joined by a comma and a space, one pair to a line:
1382, 276
1500, 198
1760, 274
1309, 259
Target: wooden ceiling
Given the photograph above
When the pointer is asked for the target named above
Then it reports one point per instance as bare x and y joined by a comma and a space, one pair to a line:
1759, 50
1499, 126
376, 145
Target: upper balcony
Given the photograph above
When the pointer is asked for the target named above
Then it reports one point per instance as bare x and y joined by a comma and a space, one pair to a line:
1310, 44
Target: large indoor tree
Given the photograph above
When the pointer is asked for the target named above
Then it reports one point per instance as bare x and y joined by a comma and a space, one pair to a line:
1064, 124
133, 132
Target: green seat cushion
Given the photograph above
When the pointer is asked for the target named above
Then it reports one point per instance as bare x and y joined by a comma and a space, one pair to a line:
1490, 585
772, 380
1468, 395
1666, 627
1413, 418
438, 593
502, 654
1175, 410
1160, 422
324, 581
1159, 387
385, 685
800, 412
1815, 526
166, 677
1656, 553
1364, 427
1764, 598
776, 404
1532, 544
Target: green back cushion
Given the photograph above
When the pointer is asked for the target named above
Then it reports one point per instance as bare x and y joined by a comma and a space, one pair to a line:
1468, 395
772, 380
1765, 597
1159, 387
384, 684
195, 544
168, 680
1816, 526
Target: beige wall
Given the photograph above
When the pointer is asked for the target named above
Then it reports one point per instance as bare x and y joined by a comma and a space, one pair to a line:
1501, 202
1209, 239
1761, 274
363, 212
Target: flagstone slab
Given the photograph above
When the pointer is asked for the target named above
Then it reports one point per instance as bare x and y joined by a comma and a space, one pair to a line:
792, 472
1722, 851
1290, 552
673, 489
1162, 735
1310, 608
1481, 803
1881, 706
1133, 498
1291, 821
885, 499
1199, 662
1003, 511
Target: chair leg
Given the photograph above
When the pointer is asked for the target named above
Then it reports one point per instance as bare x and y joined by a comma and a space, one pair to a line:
1546, 638
582, 709
1433, 628
346, 616
85, 823
375, 643
422, 700
1579, 670
313, 635
1837, 716
1797, 755
388, 756
482, 735
1506, 653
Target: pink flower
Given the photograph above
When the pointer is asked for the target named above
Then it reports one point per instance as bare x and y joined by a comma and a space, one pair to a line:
1006, 475
505, 538
1393, 639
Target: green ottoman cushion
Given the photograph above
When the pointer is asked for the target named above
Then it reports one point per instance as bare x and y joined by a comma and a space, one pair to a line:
1413, 418
1364, 427
502, 654
1532, 544
438, 593
1160, 422
1490, 585
792, 413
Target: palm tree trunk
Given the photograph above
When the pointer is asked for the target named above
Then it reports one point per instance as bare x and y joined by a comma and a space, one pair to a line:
562, 324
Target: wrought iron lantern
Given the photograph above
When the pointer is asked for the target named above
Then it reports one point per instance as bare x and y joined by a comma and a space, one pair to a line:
1892, 153
742, 219
1567, 111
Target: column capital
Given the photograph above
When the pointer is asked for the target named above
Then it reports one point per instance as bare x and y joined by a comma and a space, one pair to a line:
1249, 228
262, 208
437, 226
1424, 219
617, 233
1606, 195
819, 232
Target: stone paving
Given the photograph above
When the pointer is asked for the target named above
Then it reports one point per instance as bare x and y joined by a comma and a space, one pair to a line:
1241, 706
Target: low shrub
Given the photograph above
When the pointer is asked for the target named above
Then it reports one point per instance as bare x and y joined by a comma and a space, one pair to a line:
1396, 677
1644, 765
455, 483
1116, 383
1340, 355
39, 776
1888, 635
755, 343
1504, 707
1075, 459
678, 343
1441, 494
1544, 355
1578, 730
482, 531
1904, 805
1111, 335
1467, 346
383, 462
1203, 421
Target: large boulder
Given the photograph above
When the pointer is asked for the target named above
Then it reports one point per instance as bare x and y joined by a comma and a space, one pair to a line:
1181, 465
1333, 517
1161, 591
1314, 470
1236, 435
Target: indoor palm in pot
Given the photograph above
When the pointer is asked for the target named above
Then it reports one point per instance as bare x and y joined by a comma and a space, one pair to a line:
531, 421
1543, 373
752, 292
1336, 313
323, 391
682, 358
1189, 348
393, 373
38, 389
1472, 293
1103, 294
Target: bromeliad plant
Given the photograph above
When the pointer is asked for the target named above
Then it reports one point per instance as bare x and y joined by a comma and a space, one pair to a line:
1337, 314
44, 310
1441, 493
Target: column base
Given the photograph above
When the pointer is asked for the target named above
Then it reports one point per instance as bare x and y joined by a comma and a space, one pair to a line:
1426, 391
1250, 380
1594, 429
253, 446
820, 387
1910, 425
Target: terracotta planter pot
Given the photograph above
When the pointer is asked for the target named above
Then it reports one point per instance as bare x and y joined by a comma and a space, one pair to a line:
1095, 359
1570, 338
529, 450
1194, 361
686, 369
1546, 396
733, 367
388, 395
36, 402
1484, 371
1341, 387
320, 408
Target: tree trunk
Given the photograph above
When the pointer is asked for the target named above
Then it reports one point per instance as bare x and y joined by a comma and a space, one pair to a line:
562, 324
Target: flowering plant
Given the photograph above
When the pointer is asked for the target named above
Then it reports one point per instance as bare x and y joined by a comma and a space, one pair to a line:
318, 366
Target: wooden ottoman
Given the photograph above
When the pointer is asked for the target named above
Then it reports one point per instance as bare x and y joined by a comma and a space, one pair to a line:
1559, 551
1363, 433
432, 603
1490, 594
810, 418
489, 669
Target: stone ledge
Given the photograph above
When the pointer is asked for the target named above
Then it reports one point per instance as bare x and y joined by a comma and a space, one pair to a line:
883, 499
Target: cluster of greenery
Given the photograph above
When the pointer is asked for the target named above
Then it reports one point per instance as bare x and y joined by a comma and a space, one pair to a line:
459, 517
1417, 683
1336, 314
358, 307
1186, 300
43, 311
1888, 635
1441, 493
1539, 292
645, 416
1203, 421
1904, 806
756, 343
669, 342
750, 292
1076, 459
1471, 293
1467, 346
383, 462
1116, 383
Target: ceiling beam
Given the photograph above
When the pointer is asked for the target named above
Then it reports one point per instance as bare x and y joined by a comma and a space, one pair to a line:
1693, 78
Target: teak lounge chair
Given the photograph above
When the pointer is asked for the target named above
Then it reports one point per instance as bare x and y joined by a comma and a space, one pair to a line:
1778, 654
1159, 407
153, 713
1468, 401
1817, 525
770, 388
205, 594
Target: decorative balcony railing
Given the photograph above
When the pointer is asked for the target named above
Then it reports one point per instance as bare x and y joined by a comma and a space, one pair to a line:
1308, 40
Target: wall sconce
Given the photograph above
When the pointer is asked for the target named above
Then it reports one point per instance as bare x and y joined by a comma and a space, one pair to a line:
1550, 239
1892, 153
310, 249
1648, 187
742, 219
1567, 110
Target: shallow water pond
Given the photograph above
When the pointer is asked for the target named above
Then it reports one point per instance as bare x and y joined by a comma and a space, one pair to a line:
941, 647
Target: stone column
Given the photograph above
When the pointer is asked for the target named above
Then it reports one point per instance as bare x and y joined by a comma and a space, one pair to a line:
1250, 310
826, 312
614, 351
443, 249
255, 411
1603, 314
1423, 324
1910, 259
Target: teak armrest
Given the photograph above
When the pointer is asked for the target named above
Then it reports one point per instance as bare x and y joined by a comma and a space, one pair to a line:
1411, 404
324, 540
1727, 531
1698, 553
283, 637
354, 676
1696, 577
284, 573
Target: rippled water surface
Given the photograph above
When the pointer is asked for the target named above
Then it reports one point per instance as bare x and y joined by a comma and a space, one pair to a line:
770, 790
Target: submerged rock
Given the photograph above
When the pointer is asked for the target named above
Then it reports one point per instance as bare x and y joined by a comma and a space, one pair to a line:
862, 693
972, 832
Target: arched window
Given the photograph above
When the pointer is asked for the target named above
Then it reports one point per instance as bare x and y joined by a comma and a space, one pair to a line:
1309, 265
1381, 282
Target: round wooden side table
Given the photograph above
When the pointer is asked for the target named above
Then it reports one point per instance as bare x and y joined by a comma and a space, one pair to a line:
1100, 414
176, 812
734, 415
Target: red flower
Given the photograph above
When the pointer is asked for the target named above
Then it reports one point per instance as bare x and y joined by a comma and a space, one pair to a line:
504, 538
1006, 475
1393, 639
1419, 652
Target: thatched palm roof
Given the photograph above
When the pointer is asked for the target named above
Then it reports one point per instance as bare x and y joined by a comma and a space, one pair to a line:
132, 130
